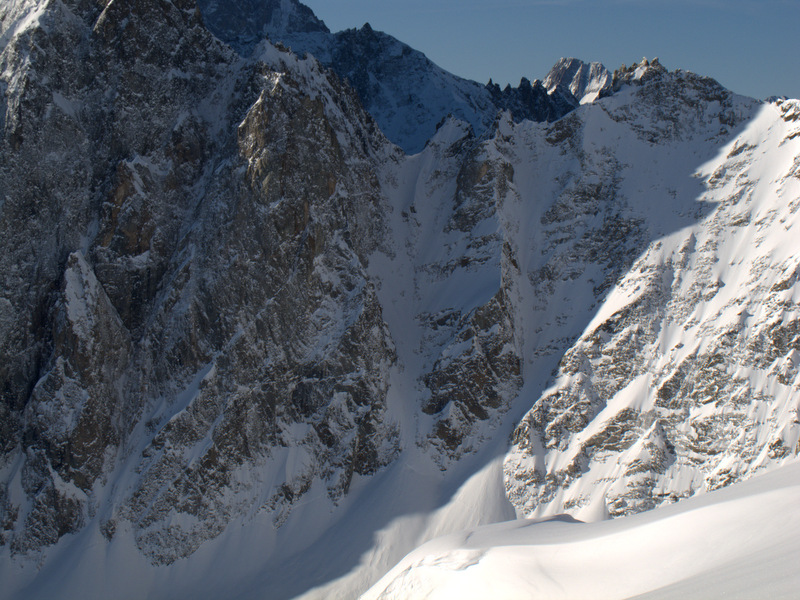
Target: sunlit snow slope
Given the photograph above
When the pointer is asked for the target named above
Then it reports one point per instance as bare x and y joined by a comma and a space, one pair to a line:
686, 378
740, 543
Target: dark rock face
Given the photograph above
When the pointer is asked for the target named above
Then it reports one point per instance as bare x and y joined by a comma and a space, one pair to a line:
478, 372
407, 93
243, 24
474, 386
184, 244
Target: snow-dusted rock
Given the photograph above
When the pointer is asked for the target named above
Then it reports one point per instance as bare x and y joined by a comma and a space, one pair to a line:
187, 293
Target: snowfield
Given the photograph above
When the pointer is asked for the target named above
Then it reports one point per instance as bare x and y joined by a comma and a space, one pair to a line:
739, 542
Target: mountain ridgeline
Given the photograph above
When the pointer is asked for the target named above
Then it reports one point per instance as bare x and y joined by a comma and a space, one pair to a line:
290, 302
406, 94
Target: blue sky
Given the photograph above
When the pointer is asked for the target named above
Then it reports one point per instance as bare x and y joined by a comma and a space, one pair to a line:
750, 46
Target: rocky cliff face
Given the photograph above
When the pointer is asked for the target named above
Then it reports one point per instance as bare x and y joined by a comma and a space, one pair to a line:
185, 238
230, 304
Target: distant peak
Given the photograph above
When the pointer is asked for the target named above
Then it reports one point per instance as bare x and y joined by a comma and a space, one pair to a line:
640, 72
586, 81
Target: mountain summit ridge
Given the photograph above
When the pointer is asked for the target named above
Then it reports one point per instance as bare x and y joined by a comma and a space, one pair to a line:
406, 93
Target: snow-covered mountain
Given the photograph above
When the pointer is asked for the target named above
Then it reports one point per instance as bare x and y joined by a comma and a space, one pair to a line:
686, 377
251, 348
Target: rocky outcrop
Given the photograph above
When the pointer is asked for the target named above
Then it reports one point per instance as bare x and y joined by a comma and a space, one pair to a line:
533, 101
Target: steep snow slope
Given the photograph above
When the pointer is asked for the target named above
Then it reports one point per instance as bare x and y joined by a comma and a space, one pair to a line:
543, 227
686, 377
741, 542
